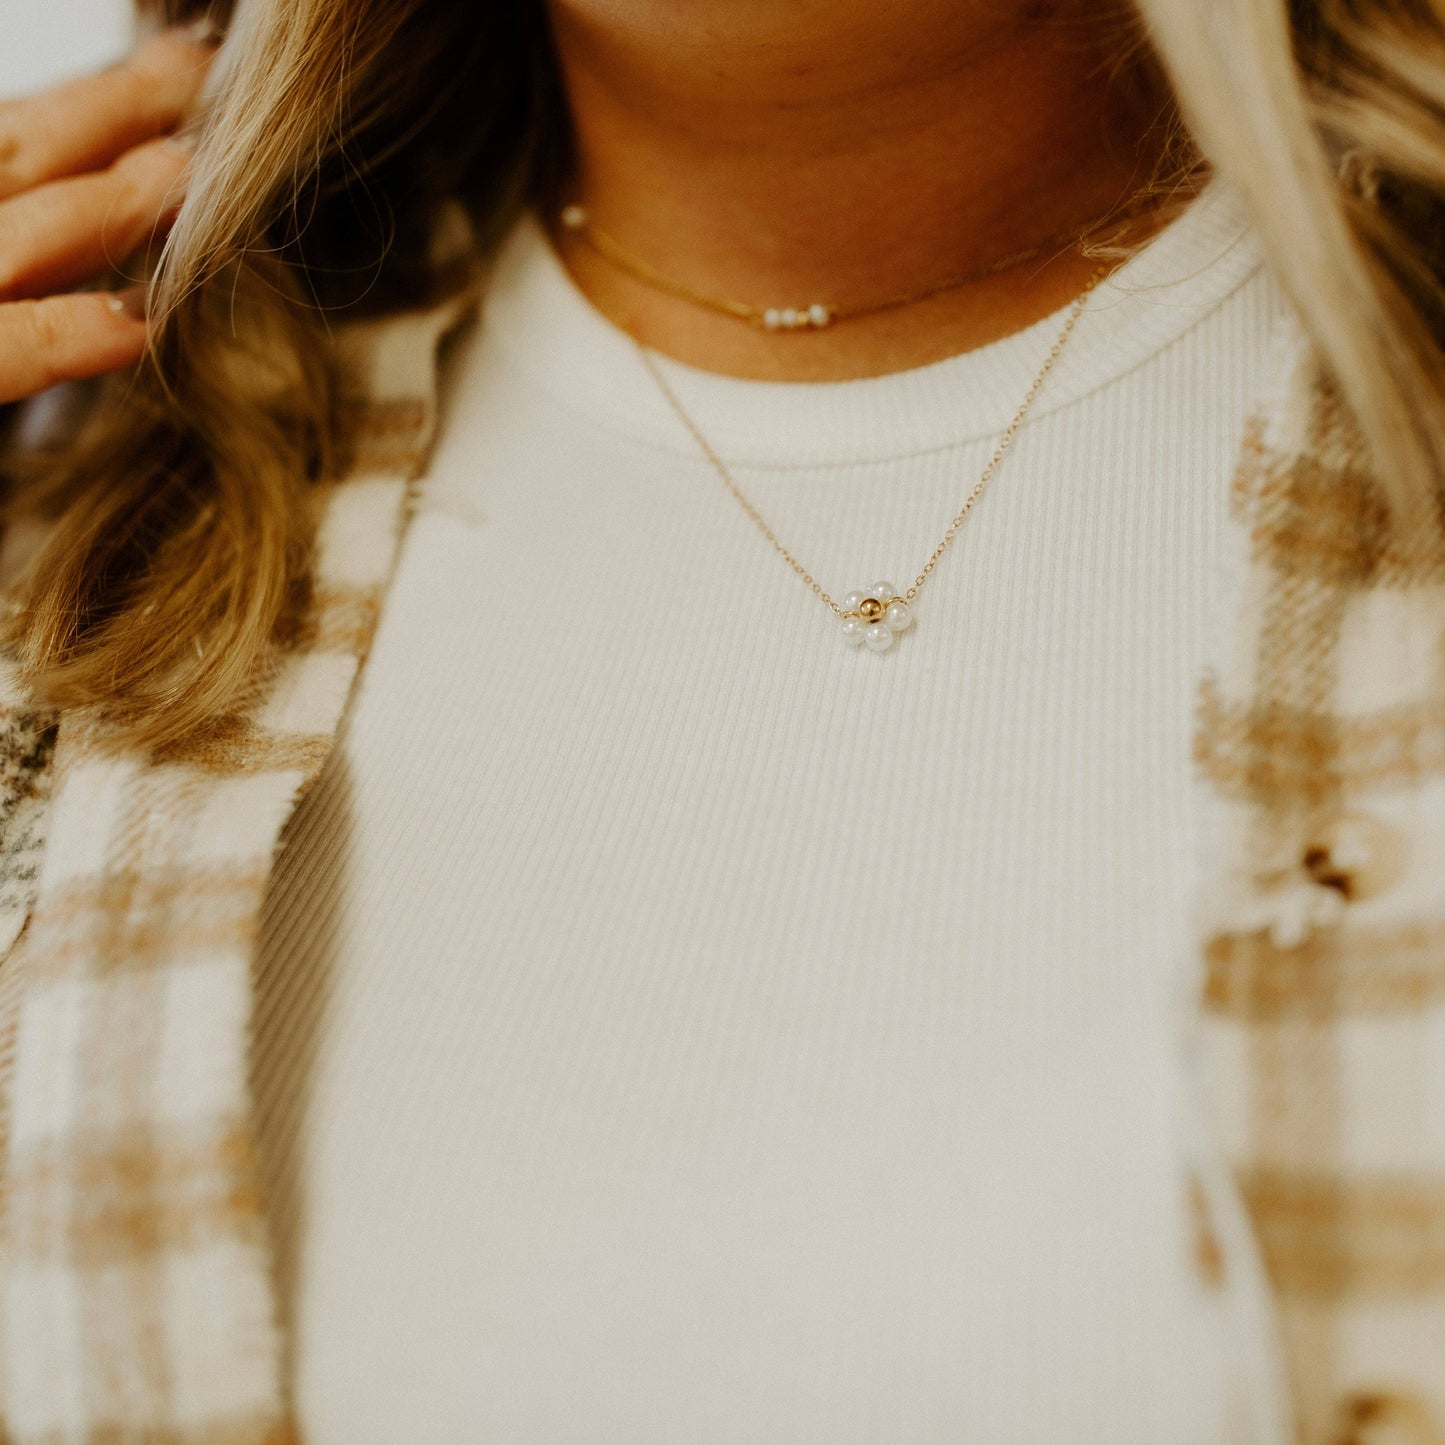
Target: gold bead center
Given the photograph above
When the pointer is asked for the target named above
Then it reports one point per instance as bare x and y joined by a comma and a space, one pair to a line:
870, 609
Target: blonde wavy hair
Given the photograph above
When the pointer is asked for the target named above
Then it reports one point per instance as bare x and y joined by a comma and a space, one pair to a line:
185, 499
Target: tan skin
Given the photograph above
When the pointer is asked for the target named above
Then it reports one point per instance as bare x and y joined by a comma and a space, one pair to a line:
832, 150
88, 176
840, 150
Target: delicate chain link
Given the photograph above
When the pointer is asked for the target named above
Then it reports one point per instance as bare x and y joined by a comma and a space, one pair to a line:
720, 467
576, 220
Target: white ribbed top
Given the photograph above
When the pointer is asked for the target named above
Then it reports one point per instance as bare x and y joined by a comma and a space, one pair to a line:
676, 1027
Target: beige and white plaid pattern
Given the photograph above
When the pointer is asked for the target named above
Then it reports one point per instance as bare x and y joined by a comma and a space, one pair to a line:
137, 1290
137, 1303
1320, 751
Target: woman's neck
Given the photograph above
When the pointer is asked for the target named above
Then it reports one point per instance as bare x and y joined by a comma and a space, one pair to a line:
843, 151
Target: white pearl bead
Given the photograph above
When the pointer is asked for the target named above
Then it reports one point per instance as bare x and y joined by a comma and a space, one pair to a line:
772, 318
790, 316
882, 591
851, 601
878, 637
819, 315
853, 631
898, 616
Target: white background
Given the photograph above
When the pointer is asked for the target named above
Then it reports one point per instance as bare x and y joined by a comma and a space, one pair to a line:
41, 40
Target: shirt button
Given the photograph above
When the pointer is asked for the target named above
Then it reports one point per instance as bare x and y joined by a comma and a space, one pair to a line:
1385, 1417
1356, 854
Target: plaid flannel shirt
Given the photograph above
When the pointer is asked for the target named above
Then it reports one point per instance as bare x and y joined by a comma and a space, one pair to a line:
136, 1295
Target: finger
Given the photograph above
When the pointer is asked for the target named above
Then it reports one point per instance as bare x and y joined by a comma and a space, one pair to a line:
65, 338
61, 234
85, 124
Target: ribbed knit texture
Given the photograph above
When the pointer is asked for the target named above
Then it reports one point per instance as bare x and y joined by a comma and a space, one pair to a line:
674, 1026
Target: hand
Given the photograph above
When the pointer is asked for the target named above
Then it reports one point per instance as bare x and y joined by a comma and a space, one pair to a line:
88, 174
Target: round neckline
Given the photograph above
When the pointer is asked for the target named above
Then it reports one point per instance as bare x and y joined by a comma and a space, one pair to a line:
537, 316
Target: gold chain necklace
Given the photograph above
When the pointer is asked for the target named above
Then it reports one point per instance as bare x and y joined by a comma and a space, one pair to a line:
576, 220
877, 614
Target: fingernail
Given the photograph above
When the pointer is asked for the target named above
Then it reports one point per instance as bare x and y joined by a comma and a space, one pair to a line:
129, 302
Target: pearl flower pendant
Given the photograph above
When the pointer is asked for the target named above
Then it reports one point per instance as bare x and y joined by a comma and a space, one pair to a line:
875, 615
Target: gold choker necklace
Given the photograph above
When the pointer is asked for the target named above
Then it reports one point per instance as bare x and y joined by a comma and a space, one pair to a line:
816, 314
